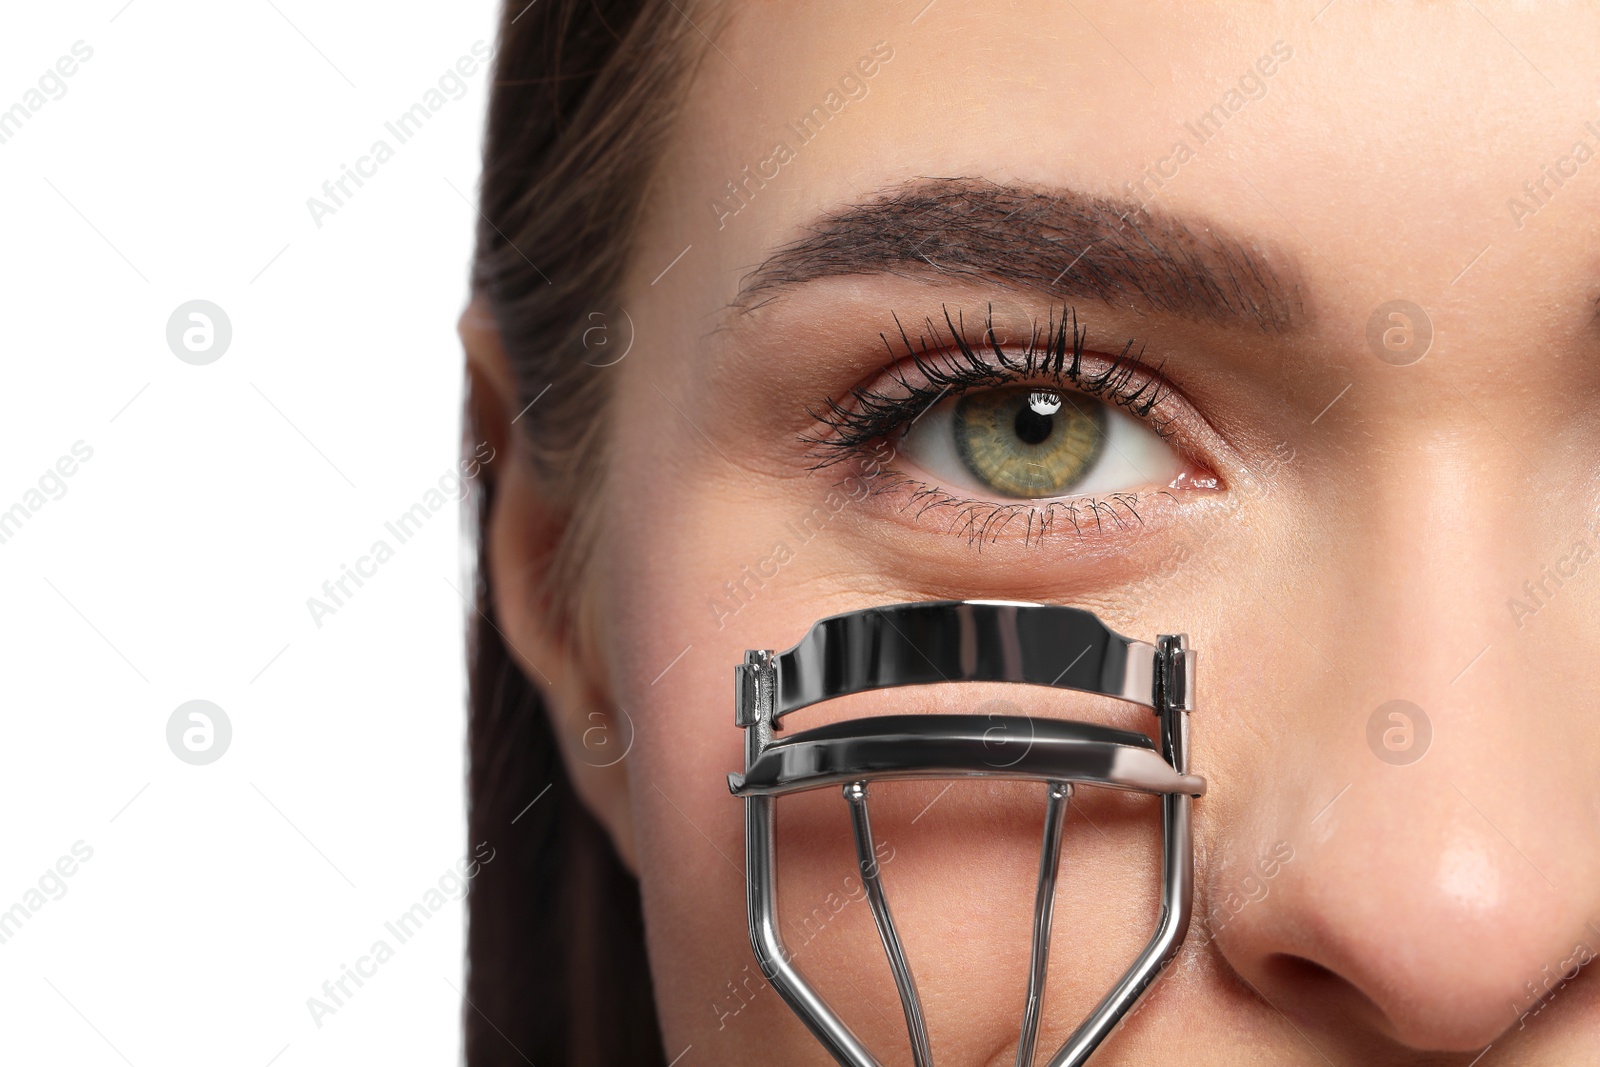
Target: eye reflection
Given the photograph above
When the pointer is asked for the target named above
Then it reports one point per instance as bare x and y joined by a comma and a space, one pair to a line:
1044, 402
1027, 442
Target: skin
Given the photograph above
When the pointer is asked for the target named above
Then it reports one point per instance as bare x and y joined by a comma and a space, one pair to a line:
1379, 561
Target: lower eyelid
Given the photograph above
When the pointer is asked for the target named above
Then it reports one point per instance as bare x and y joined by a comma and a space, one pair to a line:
981, 521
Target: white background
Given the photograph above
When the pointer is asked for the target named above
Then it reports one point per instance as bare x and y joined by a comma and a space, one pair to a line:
178, 563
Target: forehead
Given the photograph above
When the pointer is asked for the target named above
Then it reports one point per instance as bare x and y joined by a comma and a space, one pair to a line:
1432, 154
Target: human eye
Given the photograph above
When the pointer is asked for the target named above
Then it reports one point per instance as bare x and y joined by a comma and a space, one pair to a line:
990, 432
1034, 442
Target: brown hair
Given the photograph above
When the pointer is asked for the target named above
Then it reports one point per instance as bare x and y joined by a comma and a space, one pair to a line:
583, 96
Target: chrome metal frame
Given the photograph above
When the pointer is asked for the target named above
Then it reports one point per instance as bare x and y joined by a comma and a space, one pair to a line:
955, 641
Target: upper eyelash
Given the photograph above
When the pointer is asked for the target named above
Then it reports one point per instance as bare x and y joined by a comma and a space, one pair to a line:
954, 366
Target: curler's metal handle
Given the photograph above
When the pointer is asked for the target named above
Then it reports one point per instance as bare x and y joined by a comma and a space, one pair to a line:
1173, 697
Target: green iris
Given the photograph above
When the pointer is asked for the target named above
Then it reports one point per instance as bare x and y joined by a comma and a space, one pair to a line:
1029, 442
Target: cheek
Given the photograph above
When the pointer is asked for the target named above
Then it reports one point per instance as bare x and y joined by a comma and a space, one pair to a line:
702, 558
690, 580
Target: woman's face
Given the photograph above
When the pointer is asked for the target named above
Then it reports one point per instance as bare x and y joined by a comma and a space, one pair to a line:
1357, 404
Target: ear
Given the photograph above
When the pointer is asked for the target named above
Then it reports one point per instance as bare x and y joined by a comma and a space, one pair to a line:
522, 532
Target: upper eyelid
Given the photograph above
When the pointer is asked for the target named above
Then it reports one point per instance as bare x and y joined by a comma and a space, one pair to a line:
942, 365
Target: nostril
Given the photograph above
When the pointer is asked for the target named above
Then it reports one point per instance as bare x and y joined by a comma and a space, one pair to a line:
1289, 980
1316, 998
1297, 970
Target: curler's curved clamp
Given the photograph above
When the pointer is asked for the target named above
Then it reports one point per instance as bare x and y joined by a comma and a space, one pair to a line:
956, 641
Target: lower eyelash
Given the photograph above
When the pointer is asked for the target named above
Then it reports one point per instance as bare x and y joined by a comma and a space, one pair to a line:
952, 366
984, 521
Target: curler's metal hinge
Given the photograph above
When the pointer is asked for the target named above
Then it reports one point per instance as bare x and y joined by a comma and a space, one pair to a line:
1175, 671
1174, 697
745, 692
755, 681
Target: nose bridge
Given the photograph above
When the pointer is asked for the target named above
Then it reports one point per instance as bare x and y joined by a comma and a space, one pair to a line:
1431, 567
1461, 577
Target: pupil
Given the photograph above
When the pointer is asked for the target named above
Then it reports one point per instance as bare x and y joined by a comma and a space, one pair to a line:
1031, 426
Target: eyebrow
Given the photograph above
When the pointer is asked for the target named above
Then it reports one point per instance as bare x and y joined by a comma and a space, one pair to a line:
1057, 241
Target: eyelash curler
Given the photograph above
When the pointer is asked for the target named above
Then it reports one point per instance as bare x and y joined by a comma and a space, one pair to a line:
964, 641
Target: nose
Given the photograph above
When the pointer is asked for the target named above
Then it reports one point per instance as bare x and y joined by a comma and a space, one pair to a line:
1412, 910
1424, 871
